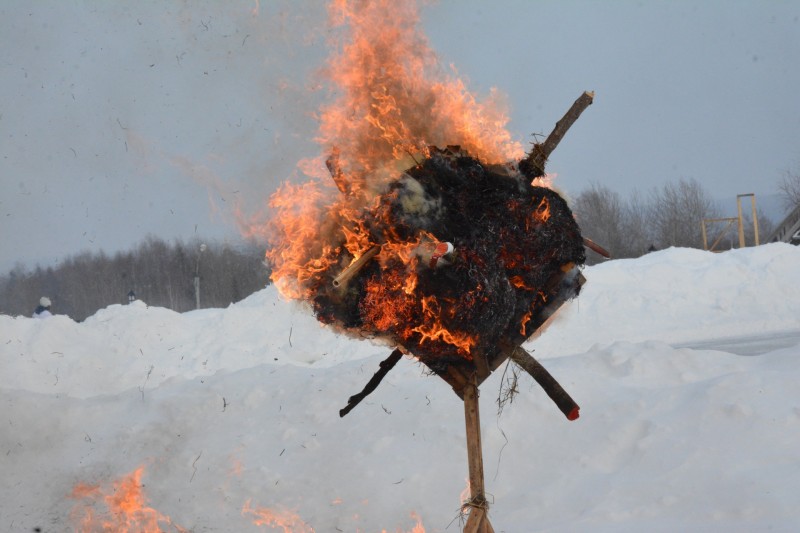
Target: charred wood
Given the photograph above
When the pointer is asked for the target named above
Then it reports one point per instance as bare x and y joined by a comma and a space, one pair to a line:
336, 172
533, 165
593, 246
478, 521
553, 389
385, 366
355, 266
481, 365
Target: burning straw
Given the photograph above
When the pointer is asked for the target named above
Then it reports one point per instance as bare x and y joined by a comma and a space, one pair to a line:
431, 232
454, 254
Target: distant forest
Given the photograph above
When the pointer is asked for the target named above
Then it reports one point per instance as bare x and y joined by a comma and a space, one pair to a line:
665, 216
159, 273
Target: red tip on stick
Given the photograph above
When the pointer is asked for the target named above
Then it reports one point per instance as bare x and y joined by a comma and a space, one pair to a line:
553, 389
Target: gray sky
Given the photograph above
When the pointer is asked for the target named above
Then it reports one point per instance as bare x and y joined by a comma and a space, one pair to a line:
123, 119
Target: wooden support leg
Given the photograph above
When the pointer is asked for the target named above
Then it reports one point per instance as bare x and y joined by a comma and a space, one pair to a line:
553, 389
478, 521
373, 383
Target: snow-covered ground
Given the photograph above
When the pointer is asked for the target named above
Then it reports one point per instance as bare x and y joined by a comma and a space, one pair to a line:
685, 365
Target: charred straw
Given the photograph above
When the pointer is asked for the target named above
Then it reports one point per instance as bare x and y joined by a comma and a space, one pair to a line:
465, 262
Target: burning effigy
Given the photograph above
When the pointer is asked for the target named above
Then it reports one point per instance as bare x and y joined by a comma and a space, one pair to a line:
463, 260
459, 262
422, 224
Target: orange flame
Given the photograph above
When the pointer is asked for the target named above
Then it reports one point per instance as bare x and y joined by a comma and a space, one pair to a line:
432, 328
287, 520
541, 299
126, 509
542, 212
290, 522
418, 527
466, 494
525, 319
519, 282
394, 102
394, 97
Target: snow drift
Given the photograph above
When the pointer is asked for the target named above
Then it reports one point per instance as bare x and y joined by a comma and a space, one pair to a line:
684, 363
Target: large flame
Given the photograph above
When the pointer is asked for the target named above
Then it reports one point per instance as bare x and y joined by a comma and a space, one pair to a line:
394, 98
121, 509
393, 103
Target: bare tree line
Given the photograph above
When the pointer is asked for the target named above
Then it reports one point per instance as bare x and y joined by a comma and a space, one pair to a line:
790, 189
667, 216
162, 274
159, 273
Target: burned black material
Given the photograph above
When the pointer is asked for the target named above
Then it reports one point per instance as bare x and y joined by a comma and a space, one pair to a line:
385, 366
513, 244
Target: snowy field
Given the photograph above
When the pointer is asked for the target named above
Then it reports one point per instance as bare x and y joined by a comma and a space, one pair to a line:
685, 364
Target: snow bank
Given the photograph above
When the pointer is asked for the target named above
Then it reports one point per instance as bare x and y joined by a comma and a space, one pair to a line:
681, 295
228, 406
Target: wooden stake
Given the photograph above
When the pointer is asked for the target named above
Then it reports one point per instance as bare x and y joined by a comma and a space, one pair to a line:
478, 521
552, 387
754, 214
373, 383
355, 266
741, 225
596, 248
533, 165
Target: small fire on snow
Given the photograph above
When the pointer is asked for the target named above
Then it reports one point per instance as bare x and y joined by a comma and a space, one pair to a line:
290, 522
120, 508
418, 528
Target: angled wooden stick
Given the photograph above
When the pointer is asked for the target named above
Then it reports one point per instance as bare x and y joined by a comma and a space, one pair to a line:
355, 266
478, 521
590, 244
336, 171
553, 389
385, 366
533, 165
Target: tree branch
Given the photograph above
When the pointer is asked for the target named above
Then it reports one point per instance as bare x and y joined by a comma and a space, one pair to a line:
385, 366
533, 165
553, 389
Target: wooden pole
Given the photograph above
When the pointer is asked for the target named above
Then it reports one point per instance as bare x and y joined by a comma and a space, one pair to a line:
533, 164
741, 224
596, 248
753, 210
755, 218
552, 387
754, 215
478, 521
705, 239
373, 383
730, 221
355, 266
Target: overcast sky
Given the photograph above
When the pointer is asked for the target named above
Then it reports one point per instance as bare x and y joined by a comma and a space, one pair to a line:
123, 119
